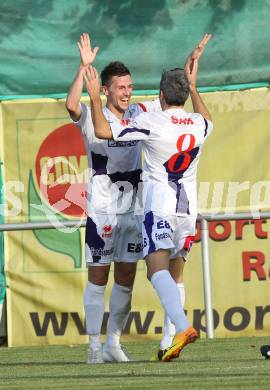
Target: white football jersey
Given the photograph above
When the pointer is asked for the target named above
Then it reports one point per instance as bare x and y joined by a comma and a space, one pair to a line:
172, 142
115, 166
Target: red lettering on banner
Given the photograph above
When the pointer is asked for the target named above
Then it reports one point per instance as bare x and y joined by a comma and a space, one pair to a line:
224, 235
239, 226
260, 233
227, 229
253, 261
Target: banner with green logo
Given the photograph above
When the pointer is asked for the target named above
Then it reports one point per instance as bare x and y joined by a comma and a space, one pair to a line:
46, 175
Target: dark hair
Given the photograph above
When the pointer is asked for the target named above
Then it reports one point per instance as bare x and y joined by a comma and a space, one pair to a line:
175, 86
115, 68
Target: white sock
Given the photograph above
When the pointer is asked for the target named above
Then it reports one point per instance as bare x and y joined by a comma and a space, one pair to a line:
169, 328
120, 305
94, 306
169, 296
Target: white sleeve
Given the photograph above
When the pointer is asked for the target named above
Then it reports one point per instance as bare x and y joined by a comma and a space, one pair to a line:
208, 128
136, 129
151, 105
85, 123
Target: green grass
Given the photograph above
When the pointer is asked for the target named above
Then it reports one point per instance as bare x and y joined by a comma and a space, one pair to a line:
207, 364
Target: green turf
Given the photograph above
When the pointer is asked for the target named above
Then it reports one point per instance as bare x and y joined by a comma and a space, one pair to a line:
207, 364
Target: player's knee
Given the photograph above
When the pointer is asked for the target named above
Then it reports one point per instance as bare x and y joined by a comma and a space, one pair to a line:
125, 276
98, 275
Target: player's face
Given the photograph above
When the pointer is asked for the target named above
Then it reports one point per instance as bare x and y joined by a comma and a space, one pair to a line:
119, 93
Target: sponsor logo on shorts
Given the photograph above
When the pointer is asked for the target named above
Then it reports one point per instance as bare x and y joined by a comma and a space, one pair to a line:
107, 231
163, 224
162, 236
101, 252
134, 248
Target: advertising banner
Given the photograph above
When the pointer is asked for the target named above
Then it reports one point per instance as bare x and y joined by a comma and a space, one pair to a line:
45, 171
2, 272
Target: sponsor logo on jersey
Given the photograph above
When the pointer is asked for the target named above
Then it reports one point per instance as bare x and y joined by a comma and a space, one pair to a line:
181, 121
107, 231
121, 144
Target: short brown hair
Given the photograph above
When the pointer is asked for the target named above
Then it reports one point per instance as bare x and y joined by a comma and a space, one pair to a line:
115, 68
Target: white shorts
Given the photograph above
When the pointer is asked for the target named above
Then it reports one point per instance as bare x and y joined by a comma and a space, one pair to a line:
113, 238
173, 232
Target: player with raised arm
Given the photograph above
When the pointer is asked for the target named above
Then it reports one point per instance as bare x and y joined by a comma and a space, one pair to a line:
172, 142
111, 224
176, 266
113, 232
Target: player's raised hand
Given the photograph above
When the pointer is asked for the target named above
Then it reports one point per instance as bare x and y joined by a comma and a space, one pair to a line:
87, 54
198, 51
92, 83
191, 71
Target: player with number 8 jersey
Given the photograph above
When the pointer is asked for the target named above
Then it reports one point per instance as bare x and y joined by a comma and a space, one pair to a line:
172, 144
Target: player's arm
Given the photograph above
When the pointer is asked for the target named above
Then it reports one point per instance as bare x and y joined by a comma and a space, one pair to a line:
154, 105
74, 95
198, 51
199, 106
101, 125
75, 92
197, 102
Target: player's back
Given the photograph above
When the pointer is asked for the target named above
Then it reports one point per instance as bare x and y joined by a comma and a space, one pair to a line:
171, 155
172, 141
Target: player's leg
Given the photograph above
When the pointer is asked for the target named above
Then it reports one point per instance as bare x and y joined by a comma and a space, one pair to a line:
176, 269
129, 247
166, 288
120, 305
169, 296
184, 230
99, 252
160, 245
94, 306
158, 235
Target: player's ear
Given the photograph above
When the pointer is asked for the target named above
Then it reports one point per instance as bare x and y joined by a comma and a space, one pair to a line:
105, 90
161, 96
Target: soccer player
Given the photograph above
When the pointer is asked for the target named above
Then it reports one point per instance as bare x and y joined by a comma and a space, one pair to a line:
172, 142
113, 232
